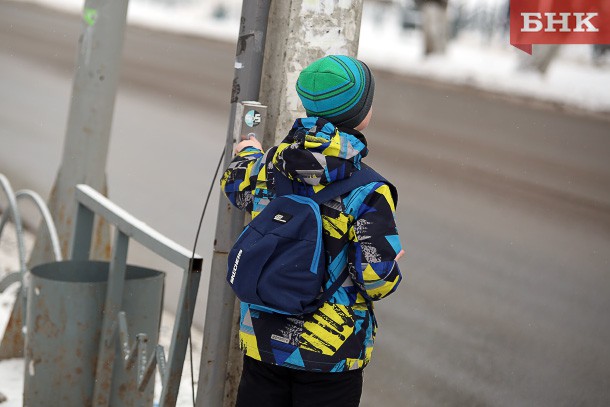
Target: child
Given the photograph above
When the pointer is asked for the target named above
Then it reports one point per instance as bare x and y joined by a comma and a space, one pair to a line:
317, 359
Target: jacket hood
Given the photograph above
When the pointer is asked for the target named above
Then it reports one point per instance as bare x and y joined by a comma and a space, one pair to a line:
316, 152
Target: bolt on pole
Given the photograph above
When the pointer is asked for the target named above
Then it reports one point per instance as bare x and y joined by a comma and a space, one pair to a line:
217, 332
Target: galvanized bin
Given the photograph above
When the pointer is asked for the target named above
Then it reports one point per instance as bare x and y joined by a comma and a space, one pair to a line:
64, 322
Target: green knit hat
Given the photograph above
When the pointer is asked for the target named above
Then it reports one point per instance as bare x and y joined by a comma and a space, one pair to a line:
338, 88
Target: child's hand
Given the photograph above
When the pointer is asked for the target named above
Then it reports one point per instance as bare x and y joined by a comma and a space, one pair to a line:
399, 255
250, 142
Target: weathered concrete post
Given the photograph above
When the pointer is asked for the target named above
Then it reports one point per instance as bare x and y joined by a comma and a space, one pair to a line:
315, 28
298, 32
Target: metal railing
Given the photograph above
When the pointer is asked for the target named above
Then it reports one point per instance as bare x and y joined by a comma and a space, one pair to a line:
90, 203
12, 339
13, 212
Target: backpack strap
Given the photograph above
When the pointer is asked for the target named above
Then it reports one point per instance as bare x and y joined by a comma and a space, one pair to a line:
364, 176
330, 291
283, 184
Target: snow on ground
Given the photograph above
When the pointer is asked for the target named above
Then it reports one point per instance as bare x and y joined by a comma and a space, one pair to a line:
472, 59
489, 64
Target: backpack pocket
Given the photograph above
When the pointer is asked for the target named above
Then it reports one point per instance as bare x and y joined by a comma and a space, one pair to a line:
276, 262
246, 263
286, 282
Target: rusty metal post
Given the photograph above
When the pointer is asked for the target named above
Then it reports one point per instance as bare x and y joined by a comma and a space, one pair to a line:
89, 122
112, 306
215, 380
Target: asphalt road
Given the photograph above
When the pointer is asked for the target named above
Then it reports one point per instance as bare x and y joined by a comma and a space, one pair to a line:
504, 208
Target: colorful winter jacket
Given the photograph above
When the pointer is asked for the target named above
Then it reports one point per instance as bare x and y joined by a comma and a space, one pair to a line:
359, 233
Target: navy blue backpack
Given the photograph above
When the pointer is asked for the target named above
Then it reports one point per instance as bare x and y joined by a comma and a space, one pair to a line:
278, 263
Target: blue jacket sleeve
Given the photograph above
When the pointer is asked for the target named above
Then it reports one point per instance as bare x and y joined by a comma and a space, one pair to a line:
371, 257
239, 180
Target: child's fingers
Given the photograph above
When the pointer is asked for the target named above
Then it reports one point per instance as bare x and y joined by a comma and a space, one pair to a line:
253, 142
399, 255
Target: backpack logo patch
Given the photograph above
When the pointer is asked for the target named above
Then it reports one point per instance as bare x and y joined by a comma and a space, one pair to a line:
282, 217
234, 271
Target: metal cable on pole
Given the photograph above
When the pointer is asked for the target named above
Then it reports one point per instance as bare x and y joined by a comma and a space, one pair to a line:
205, 206
217, 333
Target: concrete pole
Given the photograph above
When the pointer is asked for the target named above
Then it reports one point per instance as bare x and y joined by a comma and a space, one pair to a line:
215, 380
301, 31
89, 122
298, 32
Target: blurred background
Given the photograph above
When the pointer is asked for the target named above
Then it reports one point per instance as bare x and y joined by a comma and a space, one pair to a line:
502, 161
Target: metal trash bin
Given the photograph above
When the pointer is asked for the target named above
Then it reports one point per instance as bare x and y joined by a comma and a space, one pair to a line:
64, 322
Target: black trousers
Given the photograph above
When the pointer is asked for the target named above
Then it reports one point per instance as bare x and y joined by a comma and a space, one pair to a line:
267, 385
